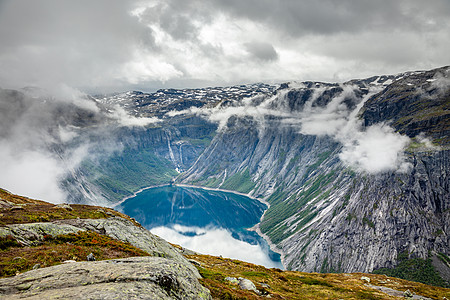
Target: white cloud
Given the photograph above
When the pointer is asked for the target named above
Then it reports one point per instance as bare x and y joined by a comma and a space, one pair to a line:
31, 173
426, 142
42, 141
328, 120
125, 119
376, 149
146, 67
215, 241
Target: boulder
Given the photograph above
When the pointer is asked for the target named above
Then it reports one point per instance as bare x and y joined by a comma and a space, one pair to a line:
408, 294
90, 257
246, 284
232, 280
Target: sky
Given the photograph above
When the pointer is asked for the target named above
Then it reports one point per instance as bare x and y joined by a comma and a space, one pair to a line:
112, 45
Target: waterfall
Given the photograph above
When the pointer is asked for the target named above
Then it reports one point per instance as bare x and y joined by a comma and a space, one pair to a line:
172, 156
181, 154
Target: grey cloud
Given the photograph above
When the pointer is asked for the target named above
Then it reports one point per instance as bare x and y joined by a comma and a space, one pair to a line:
76, 42
176, 18
327, 17
99, 45
262, 51
44, 137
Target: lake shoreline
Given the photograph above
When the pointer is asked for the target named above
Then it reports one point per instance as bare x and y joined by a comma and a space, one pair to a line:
222, 190
137, 192
255, 228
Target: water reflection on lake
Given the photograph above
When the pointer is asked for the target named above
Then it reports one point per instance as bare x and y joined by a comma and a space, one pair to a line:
206, 221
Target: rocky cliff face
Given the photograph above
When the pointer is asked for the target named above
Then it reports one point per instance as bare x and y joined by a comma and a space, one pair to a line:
335, 204
379, 217
136, 157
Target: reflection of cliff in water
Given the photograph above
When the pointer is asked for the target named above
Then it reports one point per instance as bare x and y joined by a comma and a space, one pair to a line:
170, 205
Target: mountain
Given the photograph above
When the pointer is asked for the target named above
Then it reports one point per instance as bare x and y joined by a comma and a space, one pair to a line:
355, 173
332, 208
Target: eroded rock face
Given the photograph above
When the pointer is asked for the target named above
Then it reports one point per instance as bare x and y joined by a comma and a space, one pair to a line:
31, 233
129, 278
326, 215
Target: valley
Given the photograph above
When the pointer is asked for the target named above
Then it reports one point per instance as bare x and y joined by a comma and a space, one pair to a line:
355, 173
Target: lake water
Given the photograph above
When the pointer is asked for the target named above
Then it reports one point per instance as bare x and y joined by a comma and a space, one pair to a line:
206, 221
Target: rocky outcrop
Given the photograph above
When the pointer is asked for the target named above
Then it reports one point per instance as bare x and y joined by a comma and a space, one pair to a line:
130, 278
116, 227
165, 274
123, 230
33, 233
414, 104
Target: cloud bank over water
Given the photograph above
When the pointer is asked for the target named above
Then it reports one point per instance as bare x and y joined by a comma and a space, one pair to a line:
215, 241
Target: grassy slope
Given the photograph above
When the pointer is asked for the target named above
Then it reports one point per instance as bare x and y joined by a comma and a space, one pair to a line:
18, 210
240, 182
299, 285
16, 258
416, 269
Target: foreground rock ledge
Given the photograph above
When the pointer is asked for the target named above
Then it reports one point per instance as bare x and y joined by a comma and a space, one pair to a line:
128, 278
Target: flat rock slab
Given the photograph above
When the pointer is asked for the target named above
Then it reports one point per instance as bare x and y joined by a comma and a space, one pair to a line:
128, 278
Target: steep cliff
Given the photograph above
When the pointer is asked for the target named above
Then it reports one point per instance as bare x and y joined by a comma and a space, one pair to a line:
136, 157
355, 173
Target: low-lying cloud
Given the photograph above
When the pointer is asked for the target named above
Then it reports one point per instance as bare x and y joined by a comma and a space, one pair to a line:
374, 149
125, 119
43, 138
31, 173
215, 241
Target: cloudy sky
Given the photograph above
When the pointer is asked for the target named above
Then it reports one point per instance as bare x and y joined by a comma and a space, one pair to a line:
106, 45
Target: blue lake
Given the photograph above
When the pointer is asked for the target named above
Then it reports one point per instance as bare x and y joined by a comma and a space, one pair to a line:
207, 221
